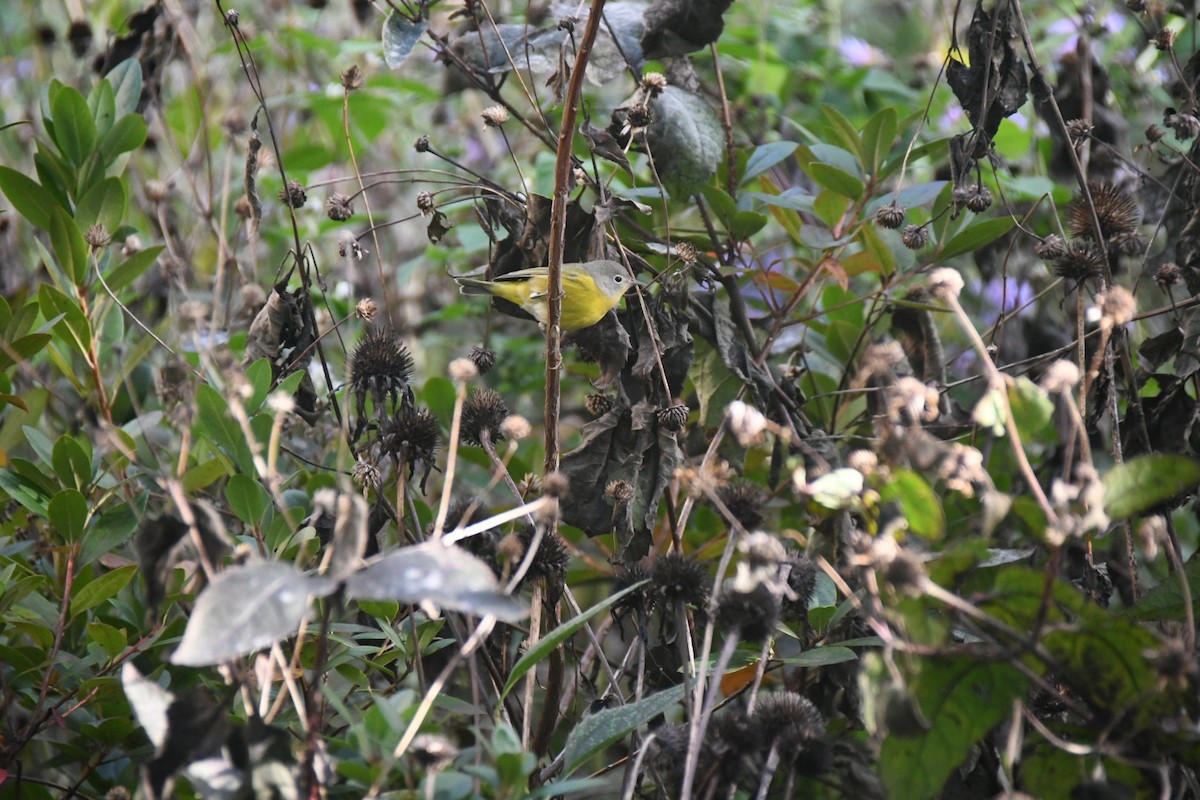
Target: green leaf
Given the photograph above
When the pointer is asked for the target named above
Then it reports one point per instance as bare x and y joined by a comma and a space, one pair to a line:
844, 130
247, 499
103, 204
67, 512
69, 247
31, 200
745, 224
203, 475
1146, 481
822, 656
101, 589
25, 491
556, 637
258, 375
962, 699
1033, 413
597, 731
111, 640
102, 102
974, 237
1166, 601
131, 268
686, 138
126, 79
72, 464
400, 36
127, 134
919, 504
836, 180
72, 326
877, 137
74, 128
214, 419
766, 156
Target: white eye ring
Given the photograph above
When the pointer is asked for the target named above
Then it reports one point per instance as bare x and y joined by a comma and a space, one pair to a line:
618, 278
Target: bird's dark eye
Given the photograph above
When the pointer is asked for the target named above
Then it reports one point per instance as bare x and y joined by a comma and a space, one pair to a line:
618, 278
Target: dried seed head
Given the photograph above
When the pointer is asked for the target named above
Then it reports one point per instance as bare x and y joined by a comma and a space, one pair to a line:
425, 203
762, 550
412, 436
1079, 130
483, 359
483, 414
530, 485
751, 614
1060, 377
890, 216
677, 577
567, 24
97, 236
158, 191
639, 116
366, 476
1117, 306
80, 37
463, 370
352, 78
945, 283
673, 418
1051, 248
653, 84
746, 501
366, 309
1154, 134
1127, 244
598, 404
796, 730
905, 573
232, 17
422, 144
962, 469
914, 237
515, 428
1080, 261
619, 491
802, 582
550, 562
1185, 126
1167, 275
639, 599
1116, 210
686, 252
1165, 39
339, 207
494, 116
556, 485
979, 199
380, 364
959, 196
293, 194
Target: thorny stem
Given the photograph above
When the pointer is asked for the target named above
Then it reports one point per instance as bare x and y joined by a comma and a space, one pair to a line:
558, 229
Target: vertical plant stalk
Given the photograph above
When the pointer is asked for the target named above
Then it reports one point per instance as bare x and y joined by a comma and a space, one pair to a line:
558, 231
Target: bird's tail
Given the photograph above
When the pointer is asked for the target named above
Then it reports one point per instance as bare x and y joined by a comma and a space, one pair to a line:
472, 286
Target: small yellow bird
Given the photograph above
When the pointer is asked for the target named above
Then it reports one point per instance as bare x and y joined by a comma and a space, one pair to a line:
590, 290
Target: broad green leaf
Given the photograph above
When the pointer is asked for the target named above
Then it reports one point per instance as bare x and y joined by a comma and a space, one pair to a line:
103, 204
131, 268
877, 137
686, 139
247, 608
991, 413
596, 731
72, 325
400, 36
962, 699
72, 463
111, 640
538, 652
1033, 413
102, 102
101, 589
766, 156
74, 128
259, 376
126, 79
28, 197
836, 180
1166, 601
25, 491
248, 500
1146, 481
68, 512
215, 420
844, 129
69, 247
919, 504
974, 237
745, 224
203, 475
127, 134
822, 656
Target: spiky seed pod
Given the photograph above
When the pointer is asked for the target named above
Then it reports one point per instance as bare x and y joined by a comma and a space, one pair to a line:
80, 37
794, 726
556, 485
425, 203
483, 358
339, 207
653, 84
1079, 262
1167, 275
366, 309
1079, 130
1154, 134
412, 436
686, 252
483, 415
1050, 249
494, 116
639, 116
914, 237
352, 78
979, 199
802, 580
1116, 210
746, 500
380, 367
1118, 306
598, 404
959, 196
641, 599
1127, 244
1185, 126
673, 418
905, 573
677, 577
293, 194
550, 561
890, 216
422, 144
619, 491
97, 237
751, 614
366, 476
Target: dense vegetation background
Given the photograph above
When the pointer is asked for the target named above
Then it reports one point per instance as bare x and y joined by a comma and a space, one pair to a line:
879, 486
